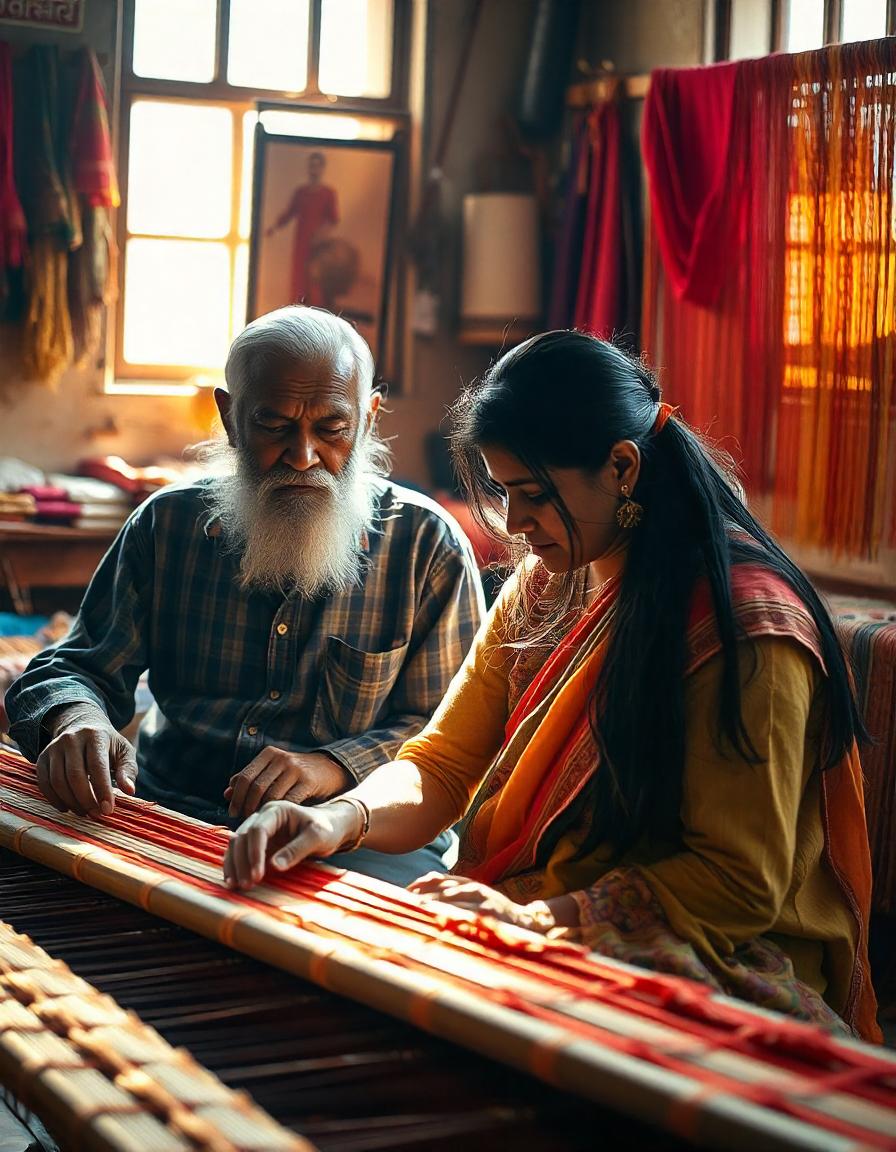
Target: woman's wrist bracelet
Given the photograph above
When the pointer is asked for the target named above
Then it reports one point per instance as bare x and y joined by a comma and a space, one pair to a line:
364, 812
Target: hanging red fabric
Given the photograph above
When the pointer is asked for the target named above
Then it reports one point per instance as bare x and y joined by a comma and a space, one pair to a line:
697, 208
600, 280
13, 228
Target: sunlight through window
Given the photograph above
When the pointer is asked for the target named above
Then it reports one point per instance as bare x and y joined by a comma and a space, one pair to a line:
864, 19
177, 302
179, 169
356, 47
250, 119
805, 25
175, 39
240, 289
268, 45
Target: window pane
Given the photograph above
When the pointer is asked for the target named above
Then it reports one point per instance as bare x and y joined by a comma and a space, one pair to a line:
240, 289
180, 169
805, 25
176, 302
175, 39
751, 29
268, 44
864, 19
356, 47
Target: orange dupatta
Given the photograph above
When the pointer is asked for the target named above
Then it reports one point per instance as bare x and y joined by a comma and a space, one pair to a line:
533, 778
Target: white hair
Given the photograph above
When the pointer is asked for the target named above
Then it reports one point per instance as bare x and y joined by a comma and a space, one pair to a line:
302, 333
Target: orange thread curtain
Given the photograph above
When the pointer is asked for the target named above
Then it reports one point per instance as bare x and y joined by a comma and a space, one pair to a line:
791, 363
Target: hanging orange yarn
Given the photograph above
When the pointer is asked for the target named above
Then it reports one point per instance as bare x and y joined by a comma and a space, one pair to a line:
792, 364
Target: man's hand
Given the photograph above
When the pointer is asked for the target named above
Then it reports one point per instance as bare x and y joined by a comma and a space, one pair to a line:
83, 759
274, 774
289, 834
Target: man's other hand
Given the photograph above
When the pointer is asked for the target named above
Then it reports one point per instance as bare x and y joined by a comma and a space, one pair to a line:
275, 774
83, 759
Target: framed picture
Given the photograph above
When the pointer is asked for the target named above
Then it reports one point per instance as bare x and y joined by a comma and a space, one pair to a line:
322, 229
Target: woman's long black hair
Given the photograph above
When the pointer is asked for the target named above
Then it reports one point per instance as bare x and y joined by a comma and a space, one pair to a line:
562, 400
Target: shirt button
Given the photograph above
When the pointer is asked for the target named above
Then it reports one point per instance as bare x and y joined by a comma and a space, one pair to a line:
274, 694
252, 730
282, 629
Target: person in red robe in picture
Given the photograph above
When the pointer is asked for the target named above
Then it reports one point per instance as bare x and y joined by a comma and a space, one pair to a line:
315, 209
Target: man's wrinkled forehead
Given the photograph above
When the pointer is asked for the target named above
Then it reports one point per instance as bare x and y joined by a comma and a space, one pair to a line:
271, 374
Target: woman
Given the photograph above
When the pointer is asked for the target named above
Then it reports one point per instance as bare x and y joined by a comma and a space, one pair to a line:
653, 738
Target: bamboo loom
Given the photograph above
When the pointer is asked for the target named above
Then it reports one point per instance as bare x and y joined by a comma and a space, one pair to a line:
103, 1080
662, 1049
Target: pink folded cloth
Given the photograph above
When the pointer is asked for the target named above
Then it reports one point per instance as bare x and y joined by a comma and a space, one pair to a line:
57, 510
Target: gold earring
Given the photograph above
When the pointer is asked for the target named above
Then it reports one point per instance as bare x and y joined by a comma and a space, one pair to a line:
629, 512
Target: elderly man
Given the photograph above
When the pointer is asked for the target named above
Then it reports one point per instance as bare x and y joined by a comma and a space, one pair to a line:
300, 616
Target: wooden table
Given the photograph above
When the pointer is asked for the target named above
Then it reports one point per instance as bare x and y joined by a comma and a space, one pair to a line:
44, 556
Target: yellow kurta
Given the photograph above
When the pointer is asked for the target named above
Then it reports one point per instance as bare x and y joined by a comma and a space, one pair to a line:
751, 859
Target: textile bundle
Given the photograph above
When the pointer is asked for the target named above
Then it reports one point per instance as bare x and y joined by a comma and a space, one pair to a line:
770, 280
65, 178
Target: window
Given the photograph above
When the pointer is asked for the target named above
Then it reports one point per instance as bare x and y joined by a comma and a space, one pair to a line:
747, 28
198, 76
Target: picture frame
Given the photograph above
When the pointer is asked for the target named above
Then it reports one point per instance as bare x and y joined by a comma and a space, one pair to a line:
323, 230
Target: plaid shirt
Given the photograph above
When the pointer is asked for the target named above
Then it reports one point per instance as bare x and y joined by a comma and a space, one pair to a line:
352, 673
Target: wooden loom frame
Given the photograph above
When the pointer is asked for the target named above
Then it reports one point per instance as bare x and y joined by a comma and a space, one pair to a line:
430, 1000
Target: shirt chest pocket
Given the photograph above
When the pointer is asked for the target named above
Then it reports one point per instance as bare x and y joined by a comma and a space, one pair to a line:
354, 689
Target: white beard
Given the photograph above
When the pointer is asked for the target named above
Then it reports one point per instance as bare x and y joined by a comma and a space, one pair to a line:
296, 541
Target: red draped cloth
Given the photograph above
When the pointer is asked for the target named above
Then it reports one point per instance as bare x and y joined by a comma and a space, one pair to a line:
12, 219
597, 305
696, 203
606, 300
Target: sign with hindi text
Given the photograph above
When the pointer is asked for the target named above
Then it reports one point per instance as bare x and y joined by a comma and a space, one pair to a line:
60, 15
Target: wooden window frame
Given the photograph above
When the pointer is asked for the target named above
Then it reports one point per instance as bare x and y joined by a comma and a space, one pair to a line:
392, 109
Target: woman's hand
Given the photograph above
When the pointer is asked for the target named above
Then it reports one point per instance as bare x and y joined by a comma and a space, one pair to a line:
476, 897
287, 834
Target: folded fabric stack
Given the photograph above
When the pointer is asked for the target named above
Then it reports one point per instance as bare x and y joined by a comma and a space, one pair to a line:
72, 501
52, 505
100, 498
101, 505
15, 475
138, 483
17, 506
